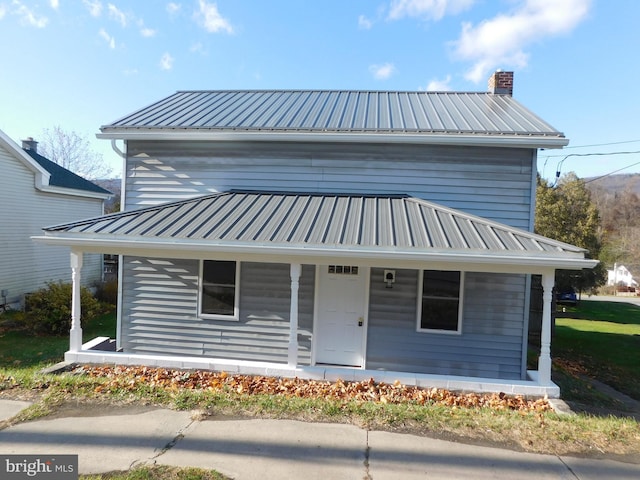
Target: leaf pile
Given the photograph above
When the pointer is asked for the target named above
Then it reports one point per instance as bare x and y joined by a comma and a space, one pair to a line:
131, 377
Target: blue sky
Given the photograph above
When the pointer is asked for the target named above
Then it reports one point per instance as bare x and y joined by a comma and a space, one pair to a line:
80, 64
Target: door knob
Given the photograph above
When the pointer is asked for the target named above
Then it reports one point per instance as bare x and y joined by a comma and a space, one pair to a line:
360, 321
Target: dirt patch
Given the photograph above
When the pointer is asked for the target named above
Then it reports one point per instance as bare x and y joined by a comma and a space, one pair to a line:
83, 409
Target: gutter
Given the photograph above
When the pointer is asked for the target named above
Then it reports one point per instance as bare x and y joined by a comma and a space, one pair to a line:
74, 192
183, 249
479, 140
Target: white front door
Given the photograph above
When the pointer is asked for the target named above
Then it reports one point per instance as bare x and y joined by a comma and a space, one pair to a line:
340, 322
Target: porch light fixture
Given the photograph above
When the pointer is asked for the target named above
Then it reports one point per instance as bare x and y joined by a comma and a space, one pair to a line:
390, 278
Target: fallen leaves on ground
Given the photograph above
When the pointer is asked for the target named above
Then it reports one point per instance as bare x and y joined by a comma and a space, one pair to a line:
131, 377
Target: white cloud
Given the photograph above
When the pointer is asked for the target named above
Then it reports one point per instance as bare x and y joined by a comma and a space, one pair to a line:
364, 23
107, 38
197, 48
173, 8
94, 7
3, 11
382, 72
117, 14
430, 9
28, 17
54, 4
166, 62
438, 85
209, 17
501, 41
147, 32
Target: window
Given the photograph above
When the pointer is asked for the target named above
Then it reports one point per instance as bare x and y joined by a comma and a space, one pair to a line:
440, 301
343, 269
218, 289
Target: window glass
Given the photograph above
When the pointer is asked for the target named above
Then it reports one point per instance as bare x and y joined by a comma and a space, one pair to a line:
440, 300
218, 287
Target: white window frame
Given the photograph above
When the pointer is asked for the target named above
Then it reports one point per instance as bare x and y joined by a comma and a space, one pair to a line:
236, 298
419, 328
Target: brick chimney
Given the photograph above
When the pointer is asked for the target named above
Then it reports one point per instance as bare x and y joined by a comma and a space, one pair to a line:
30, 144
501, 83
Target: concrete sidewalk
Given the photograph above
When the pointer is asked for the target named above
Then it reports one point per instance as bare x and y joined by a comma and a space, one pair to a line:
280, 449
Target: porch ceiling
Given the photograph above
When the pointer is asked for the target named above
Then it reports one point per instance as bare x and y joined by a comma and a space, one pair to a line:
294, 223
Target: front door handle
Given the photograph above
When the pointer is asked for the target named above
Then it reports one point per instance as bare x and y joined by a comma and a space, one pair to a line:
360, 321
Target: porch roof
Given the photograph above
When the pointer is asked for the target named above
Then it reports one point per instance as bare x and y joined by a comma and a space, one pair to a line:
290, 223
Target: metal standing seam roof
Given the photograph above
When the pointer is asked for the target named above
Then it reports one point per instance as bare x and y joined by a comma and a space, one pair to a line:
339, 111
344, 221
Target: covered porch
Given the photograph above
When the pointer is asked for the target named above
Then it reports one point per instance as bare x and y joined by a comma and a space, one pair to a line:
425, 236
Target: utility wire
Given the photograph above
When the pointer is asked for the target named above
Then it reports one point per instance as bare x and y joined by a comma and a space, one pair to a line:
559, 167
611, 173
589, 146
600, 145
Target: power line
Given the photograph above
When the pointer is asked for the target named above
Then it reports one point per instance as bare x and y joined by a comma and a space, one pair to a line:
593, 145
595, 154
601, 144
611, 173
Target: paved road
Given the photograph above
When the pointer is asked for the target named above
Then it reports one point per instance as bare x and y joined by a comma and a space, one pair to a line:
612, 298
281, 449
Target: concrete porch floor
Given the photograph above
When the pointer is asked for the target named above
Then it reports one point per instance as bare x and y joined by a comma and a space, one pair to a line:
91, 353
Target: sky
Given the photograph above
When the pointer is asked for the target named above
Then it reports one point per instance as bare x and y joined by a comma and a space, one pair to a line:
81, 64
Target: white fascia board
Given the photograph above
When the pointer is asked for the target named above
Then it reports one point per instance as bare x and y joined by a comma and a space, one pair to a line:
467, 139
75, 192
532, 263
41, 174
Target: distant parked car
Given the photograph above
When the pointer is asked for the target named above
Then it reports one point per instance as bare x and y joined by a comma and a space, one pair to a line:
566, 297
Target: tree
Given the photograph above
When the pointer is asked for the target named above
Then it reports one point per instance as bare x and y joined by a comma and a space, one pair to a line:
566, 213
73, 152
620, 214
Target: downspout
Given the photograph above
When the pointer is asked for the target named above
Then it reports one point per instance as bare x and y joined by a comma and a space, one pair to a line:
528, 277
122, 155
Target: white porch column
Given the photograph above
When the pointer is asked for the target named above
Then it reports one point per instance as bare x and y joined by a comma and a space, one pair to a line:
75, 343
544, 361
296, 269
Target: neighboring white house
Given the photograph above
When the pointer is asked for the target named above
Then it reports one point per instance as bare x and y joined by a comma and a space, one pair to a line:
620, 276
36, 192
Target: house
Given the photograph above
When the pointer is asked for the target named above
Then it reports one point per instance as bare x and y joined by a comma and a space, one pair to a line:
330, 234
36, 192
620, 276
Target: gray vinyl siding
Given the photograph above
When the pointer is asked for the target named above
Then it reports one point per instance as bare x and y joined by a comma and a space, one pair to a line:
25, 265
464, 178
490, 344
160, 312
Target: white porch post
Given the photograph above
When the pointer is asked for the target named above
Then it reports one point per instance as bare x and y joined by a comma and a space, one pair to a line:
296, 269
544, 361
75, 343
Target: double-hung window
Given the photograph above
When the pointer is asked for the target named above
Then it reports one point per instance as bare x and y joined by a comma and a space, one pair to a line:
440, 301
219, 289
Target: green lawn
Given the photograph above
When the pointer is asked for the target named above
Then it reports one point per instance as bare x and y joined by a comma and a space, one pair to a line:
20, 349
21, 358
604, 339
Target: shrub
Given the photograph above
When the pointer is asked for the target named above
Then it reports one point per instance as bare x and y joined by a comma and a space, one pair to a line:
48, 310
107, 292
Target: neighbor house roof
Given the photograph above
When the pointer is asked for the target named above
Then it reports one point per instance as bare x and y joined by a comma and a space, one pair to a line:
61, 177
50, 177
340, 115
307, 223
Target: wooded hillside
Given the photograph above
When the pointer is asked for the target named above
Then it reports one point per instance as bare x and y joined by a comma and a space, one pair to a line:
617, 198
